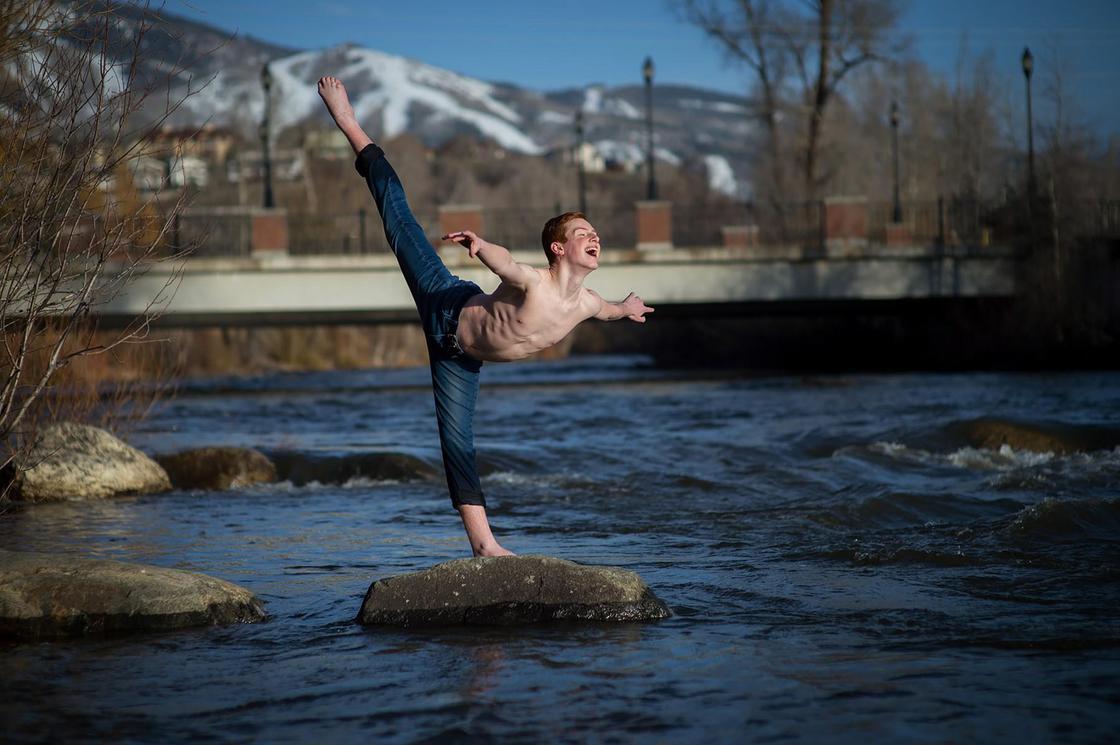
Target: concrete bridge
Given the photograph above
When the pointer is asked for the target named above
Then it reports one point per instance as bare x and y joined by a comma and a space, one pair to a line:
276, 289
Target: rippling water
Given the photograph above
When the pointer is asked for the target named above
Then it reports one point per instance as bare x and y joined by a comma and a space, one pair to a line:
842, 563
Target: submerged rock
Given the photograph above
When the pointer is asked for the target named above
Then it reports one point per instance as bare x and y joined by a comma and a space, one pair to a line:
218, 468
303, 468
1060, 439
76, 461
44, 595
510, 590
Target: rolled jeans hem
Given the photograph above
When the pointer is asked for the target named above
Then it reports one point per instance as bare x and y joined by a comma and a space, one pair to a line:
472, 499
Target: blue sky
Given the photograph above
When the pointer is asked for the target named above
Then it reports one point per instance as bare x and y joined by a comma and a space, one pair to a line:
546, 46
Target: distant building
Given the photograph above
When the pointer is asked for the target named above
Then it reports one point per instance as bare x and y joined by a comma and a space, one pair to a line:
326, 143
587, 154
248, 165
149, 174
209, 142
592, 160
189, 170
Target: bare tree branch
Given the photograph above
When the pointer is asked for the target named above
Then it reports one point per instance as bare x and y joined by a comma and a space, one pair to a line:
73, 232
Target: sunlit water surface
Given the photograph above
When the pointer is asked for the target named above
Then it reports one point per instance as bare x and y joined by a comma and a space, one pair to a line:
841, 567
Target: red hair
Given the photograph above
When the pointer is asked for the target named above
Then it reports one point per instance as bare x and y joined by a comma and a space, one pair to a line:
555, 231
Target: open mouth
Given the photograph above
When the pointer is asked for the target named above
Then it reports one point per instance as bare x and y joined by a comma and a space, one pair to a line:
593, 252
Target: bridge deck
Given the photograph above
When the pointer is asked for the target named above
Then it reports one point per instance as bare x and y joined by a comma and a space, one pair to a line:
340, 289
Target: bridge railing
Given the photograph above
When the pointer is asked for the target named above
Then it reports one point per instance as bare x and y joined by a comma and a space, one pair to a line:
519, 228
212, 233
349, 233
228, 232
793, 223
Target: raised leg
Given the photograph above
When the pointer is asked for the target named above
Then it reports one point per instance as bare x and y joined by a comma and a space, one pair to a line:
454, 382
423, 270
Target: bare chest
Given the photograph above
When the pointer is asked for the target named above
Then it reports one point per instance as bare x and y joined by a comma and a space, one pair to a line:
546, 317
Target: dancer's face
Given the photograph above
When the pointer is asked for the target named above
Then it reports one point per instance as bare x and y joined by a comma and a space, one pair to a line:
582, 246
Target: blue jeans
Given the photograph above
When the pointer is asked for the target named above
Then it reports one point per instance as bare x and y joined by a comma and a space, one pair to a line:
439, 297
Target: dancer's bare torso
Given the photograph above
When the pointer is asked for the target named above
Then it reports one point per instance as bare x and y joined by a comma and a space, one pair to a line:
512, 322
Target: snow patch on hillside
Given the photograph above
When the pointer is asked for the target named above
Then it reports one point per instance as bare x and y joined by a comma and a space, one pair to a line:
632, 155
548, 116
723, 107
592, 100
720, 176
595, 103
621, 107
398, 84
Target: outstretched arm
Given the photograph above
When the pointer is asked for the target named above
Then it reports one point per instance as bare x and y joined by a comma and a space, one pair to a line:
632, 307
496, 258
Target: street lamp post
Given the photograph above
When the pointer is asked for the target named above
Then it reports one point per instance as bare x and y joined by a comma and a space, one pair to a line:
896, 216
266, 160
651, 184
579, 162
1028, 68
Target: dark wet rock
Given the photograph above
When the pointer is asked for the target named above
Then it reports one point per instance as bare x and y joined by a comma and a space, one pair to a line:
1059, 439
45, 595
510, 590
76, 461
218, 468
303, 468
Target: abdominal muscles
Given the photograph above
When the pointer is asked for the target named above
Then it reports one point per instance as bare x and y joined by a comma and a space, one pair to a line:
493, 330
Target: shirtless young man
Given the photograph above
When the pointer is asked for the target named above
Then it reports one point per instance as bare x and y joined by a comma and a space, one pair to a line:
531, 309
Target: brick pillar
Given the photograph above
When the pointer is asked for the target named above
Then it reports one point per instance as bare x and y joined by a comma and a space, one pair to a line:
655, 224
455, 217
268, 231
739, 236
845, 224
898, 234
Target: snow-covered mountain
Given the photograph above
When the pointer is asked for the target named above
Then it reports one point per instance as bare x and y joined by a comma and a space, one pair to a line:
391, 95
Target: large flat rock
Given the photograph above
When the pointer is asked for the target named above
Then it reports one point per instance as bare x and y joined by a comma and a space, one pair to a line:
45, 595
510, 590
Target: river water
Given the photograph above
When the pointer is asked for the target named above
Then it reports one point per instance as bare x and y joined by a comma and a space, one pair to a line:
842, 566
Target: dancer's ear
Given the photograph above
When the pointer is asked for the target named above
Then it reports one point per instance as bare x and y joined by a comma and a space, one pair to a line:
557, 248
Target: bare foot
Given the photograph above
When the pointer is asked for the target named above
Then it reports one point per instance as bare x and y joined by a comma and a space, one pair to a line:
493, 550
333, 93
477, 526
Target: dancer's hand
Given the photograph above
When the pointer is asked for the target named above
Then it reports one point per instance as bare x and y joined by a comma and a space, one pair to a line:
468, 239
634, 308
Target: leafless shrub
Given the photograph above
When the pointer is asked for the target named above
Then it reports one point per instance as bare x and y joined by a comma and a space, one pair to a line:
74, 231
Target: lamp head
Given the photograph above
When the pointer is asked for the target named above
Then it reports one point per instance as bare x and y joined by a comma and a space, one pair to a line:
1028, 61
647, 69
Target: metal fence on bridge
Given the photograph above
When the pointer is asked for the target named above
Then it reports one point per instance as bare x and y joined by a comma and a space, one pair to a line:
226, 232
